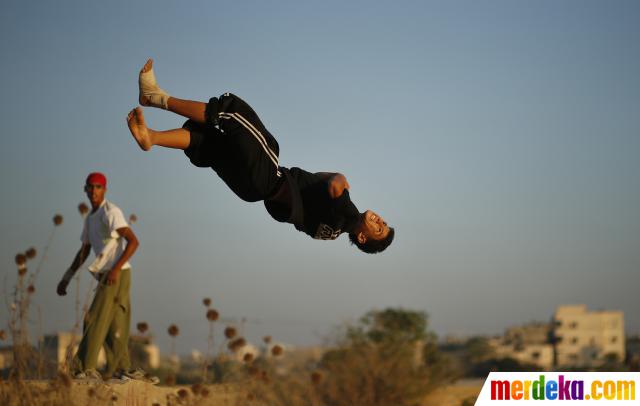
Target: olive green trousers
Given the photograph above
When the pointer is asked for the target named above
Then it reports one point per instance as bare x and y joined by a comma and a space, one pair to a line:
106, 325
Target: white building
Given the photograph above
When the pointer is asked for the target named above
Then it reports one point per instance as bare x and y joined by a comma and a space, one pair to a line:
60, 348
6, 357
585, 338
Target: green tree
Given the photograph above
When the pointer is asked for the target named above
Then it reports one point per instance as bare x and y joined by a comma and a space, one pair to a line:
388, 358
399, 325
477, 349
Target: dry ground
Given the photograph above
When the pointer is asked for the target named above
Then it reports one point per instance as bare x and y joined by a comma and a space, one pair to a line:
136, 393
454, 395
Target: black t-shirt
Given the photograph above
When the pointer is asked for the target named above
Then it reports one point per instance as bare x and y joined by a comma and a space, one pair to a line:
313, 210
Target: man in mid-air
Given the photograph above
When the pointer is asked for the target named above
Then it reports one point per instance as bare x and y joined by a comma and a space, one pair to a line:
226, 135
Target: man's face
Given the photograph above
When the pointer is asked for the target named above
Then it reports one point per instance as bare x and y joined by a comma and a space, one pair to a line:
95, 193
373, 226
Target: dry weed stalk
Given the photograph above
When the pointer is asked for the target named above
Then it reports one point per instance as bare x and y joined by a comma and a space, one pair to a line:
80, 310
173, 332
212, 317
28, 362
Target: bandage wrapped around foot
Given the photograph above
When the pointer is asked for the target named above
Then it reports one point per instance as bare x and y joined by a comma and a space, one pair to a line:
149, 89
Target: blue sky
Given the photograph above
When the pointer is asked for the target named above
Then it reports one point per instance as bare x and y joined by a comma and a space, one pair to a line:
500, 138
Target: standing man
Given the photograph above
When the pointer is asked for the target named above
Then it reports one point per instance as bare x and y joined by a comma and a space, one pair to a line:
107, 322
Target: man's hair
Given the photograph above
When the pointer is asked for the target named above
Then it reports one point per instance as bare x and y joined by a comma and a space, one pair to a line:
372, 246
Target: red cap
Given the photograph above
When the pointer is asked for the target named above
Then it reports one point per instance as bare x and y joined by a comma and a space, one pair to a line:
97, 177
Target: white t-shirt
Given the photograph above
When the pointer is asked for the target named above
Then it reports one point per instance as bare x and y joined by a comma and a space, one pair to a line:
100, 228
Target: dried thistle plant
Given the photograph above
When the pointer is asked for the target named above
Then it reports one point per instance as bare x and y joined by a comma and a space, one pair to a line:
212, 315
21, 259
183, 394
236, 344
30, 253
58, 219
196, 388
248, 358
253, 371
173, 330
142, 327
230, 332
27, 362
18, 320
276, 350
83, 209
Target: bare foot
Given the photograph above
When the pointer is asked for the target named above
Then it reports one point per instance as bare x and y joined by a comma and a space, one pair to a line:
147, 66
150, 94
138, 128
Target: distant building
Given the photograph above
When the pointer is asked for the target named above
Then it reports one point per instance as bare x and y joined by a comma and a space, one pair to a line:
451, 340
6, 357
57, 348
305, 354
633, 352
196, 357
587, 338
534, 333
540, 355
62, 346
291, 356
143, 352
528, 344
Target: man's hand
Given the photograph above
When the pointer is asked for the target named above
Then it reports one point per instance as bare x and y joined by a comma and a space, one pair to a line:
81, 256
62, 287
112, 277
337, 184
